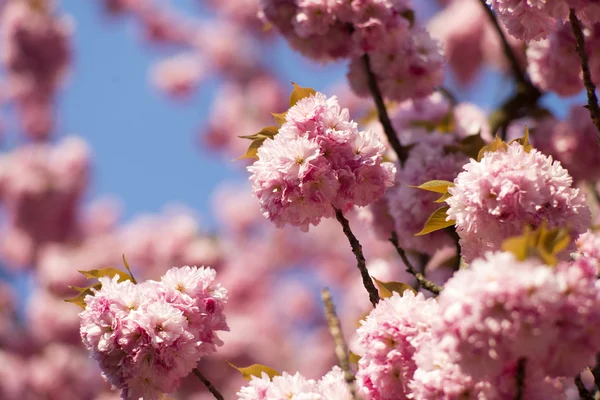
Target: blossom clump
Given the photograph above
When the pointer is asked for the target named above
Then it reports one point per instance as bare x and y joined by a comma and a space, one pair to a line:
534, 20
389, 337
35, 52
404, 68
332, 386
329, 30
502, 310
410, 207
148, 336
495, 198
318, 161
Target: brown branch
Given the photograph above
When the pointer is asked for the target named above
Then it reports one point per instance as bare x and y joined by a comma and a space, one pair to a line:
341, 349
520, 105
426, 283
520, 379
213, 390
388, 128
592, 106
583, 392
508, 51
596, 371
361, 264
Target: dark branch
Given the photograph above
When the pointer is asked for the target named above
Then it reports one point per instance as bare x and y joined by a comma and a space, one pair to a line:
213, 390
508, 51
424, 282
520, 379
360, 258
583, 392
341, 349
596, 371
592, 106
388, 128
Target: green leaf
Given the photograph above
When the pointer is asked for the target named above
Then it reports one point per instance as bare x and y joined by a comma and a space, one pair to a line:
256, 370
518, 245
387, 289
443, 198
543, 243
496, 145
437, 186
107, 272
268, 132
436, 221
126, 264
79, 300
252, 151
279, 118
353, 358
524, 141
300, 93
471, 146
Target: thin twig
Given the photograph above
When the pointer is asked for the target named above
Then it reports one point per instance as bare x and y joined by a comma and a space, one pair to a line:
426, 283
341, 349
213, 390
592, 106
388, 128
596, 371
583, 392
520, 378
361, 264
508, 51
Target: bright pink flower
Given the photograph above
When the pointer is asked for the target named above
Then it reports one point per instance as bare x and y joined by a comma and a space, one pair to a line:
389, 337
148, 336
573, 142
317, 161
404, 66
501, 310
498, 196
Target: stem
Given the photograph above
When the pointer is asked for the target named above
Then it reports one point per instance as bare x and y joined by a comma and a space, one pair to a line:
596, 371
583, 392
388, 128
520, 378
426, 283
592, 106
341, 349
213, 390
360, 258
508, 51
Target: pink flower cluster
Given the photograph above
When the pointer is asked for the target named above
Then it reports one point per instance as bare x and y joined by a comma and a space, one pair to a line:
534, 20
40, 188
319, 160
589, 247
410, 207
573, 142
148, 336
501, 310
495, 198
326, 30
405, 60
332, 386
407, 67
35, 53
389, 337
553, 63
469, 39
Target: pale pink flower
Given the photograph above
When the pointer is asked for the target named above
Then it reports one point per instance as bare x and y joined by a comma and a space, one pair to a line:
501, 310
178, 76
495, 198
389, 337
